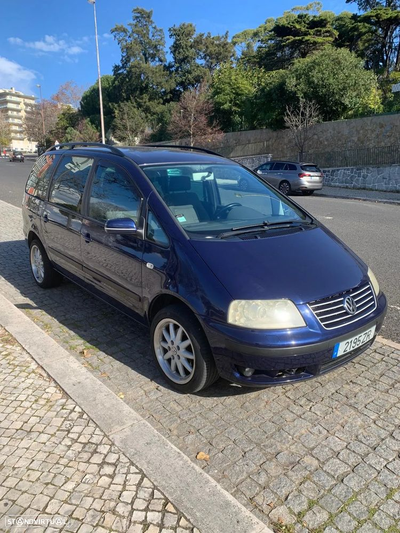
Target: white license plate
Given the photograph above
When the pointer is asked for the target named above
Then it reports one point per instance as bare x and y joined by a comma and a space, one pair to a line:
349, 345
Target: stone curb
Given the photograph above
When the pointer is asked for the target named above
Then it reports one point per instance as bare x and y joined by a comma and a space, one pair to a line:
209, 507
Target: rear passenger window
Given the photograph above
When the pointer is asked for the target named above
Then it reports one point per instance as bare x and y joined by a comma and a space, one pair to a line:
289, 166
278, 166
39, 178
69, 182
113, 195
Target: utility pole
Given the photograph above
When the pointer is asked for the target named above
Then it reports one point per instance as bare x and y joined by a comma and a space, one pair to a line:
103, 135
42, 111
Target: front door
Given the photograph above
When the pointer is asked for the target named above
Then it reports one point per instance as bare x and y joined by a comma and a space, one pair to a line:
112, 263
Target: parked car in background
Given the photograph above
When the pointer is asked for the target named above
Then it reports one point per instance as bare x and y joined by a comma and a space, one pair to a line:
17, 156
243, 284
289, 176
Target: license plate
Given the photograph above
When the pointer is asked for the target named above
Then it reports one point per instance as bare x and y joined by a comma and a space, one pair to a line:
341, 348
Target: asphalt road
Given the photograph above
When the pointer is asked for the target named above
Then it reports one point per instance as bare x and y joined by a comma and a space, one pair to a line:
371, 229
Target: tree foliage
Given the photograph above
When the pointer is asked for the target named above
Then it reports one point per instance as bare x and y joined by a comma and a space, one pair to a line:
5, 131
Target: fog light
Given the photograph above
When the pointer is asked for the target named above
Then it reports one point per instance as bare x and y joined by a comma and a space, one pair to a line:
247, 372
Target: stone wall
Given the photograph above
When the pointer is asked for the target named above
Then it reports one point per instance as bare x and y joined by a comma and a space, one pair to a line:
384, 178
376, 178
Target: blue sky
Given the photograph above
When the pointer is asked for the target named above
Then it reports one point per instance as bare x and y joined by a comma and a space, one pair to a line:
47, 42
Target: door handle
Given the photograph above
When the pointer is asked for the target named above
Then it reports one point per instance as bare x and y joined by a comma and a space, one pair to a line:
45, 217
87, 237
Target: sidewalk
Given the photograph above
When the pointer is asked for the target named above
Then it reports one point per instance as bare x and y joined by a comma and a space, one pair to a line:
59, 469
360, 194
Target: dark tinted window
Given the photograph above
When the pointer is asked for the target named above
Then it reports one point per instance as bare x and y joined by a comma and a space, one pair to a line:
69, 181
289, 166
266, 166
310, 168
278, 166
154, 231
38, 181
113, 195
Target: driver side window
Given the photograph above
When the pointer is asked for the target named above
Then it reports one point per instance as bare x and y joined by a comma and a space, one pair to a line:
113, 195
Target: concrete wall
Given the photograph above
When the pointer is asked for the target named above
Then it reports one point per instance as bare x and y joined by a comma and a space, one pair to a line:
369, 132
383, 178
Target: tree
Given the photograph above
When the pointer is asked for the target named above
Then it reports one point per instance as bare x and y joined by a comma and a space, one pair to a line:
191, 117
298, 33
215, 50
48, 112
69, 93
90, 102
300, 120
5, 131
129, 124
335, 79
232, 90
185, 53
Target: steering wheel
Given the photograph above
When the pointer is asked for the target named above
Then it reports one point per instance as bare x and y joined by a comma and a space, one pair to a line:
227, 208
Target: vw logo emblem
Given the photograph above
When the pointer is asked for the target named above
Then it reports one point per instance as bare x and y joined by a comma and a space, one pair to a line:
350, 305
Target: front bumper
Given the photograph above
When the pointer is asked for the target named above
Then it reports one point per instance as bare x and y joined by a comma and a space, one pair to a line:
284, 356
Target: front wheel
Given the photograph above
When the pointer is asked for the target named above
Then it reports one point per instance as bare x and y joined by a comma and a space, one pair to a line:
181, 350
42, 270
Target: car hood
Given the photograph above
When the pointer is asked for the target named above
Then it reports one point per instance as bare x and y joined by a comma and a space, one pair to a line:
301, 266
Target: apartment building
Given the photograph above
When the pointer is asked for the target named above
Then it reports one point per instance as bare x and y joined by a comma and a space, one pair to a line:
15, 106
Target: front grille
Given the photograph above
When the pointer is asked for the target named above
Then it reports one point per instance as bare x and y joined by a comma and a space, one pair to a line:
331, 312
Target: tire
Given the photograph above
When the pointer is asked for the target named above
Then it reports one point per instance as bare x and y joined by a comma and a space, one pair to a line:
284, 187
243, 184
307, 193
185, 377
42, 270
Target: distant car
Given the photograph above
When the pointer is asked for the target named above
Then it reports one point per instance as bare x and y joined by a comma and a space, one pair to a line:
17, 156
289, 176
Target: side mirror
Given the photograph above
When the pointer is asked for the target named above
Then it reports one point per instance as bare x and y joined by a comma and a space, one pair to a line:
121, 226
259, 171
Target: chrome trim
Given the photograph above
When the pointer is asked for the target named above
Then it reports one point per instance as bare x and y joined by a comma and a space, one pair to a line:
366, 302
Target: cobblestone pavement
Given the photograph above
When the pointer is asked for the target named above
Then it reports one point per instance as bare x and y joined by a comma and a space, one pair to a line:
321, 455
57, 465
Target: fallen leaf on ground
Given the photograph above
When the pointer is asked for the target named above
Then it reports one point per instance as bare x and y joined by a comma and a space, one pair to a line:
121, 395
104, 375
86, 353
201, 456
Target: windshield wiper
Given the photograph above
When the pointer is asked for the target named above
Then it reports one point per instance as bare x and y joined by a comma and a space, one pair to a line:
262, 226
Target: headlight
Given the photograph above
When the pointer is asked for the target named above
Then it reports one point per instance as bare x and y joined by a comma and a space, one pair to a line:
265, 314
374, 281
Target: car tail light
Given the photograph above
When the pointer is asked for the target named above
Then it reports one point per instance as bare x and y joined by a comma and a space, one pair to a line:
304, 175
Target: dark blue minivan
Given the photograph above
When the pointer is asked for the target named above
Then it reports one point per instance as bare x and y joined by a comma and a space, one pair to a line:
242, 284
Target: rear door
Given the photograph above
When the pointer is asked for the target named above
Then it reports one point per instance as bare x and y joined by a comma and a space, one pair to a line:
61, 217
275, 174
112, 263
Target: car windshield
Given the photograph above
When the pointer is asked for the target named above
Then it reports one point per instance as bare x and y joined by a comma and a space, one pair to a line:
210, 200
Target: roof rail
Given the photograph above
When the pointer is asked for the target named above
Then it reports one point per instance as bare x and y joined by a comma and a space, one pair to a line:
182, 147
72, 145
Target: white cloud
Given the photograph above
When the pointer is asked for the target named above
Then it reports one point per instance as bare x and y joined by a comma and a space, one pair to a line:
14, 75
51, 45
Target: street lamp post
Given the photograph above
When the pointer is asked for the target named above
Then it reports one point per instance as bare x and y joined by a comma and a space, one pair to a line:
42, 110
103, 136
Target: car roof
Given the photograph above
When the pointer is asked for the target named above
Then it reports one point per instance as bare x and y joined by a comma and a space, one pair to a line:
146, 155
284, 161
153, 155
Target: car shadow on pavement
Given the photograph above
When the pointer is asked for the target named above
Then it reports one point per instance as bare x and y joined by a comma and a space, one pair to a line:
93, 331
